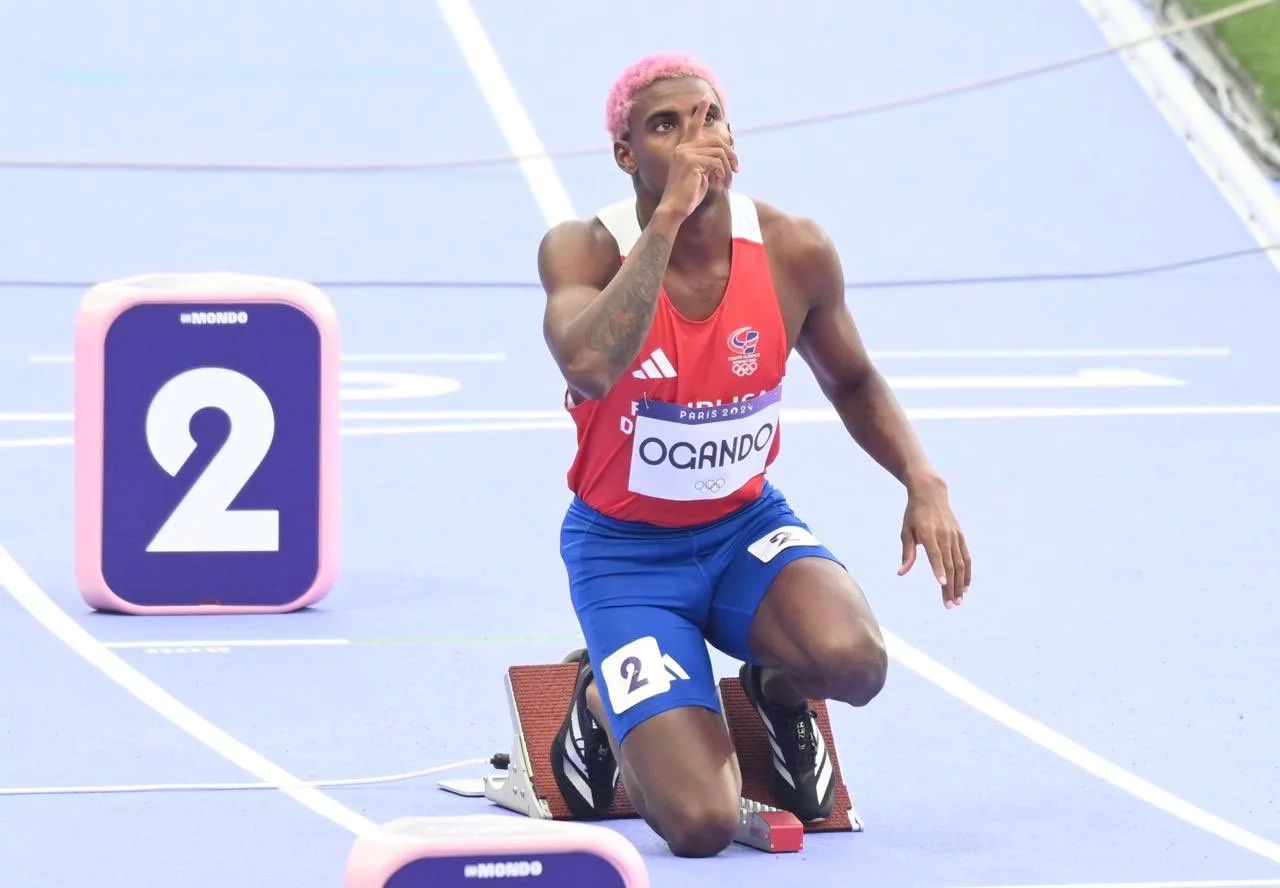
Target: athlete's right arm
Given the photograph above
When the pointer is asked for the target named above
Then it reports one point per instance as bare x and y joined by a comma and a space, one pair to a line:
595, 326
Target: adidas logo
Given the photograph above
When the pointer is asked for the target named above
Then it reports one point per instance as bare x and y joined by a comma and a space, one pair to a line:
656, 366
674, 669
823, 769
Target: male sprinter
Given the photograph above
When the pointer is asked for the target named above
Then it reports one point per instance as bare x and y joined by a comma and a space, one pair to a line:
671, 316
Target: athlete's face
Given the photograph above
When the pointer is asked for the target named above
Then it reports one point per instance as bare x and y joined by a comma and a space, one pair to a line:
660, 118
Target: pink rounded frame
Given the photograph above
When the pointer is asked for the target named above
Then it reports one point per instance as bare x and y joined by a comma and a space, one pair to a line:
98, 310
380, 854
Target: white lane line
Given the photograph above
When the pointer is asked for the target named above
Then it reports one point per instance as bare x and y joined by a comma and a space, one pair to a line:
554, 420
1210, 883
902, 354
459, 428
356, 358
423, 357
1081, 379
508, 112
1042, 353
18, 443
1086, 379
453, 415
242, 642
967, 413
962, 689
517, 420
210, 787
530, 419
828, 415
33, 599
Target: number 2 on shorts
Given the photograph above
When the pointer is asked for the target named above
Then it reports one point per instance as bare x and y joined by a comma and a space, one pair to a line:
631, 670
634, 673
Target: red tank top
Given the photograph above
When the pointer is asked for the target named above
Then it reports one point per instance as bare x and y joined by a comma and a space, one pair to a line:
687, 432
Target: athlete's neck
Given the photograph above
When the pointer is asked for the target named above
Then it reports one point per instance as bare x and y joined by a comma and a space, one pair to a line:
706, 235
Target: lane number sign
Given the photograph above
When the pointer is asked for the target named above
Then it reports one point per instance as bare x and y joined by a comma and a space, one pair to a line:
206, 444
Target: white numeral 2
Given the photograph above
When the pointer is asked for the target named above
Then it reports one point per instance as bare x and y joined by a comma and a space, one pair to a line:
202, 521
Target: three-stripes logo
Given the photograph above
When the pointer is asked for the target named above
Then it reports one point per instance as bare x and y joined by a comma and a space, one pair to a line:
805, 731
656, 366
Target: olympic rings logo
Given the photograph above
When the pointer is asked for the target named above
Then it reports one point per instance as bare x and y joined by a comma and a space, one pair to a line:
715, 485
744, 368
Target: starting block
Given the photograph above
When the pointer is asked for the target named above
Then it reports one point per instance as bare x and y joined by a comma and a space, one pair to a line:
206, 444
755, 757
538, 697
452, 852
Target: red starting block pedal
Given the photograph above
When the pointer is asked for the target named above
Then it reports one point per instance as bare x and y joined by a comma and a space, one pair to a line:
769, 829
538, 698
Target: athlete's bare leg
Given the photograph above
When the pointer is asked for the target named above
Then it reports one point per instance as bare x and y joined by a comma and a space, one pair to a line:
816, 635
681, 774
818, 639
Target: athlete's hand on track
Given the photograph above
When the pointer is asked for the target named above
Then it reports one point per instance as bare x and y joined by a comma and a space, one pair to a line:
700, 161
929, 522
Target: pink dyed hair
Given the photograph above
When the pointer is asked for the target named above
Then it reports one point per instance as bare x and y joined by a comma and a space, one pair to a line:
622, 95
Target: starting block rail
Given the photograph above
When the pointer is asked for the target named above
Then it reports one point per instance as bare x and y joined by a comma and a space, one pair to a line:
538, 697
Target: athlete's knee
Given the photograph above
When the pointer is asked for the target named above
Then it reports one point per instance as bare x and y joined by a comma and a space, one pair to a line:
847, 661
858, 666
683, 764
816, 628
700, 825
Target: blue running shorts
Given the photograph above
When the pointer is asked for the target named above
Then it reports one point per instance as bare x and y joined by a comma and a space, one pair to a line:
650, 598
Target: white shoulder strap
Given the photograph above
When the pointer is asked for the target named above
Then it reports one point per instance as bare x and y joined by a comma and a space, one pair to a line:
746, 220
620, 219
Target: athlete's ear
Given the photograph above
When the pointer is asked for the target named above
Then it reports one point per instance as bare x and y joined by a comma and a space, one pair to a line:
623, 157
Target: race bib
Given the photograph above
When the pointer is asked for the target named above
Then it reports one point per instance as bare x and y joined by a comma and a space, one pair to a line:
637, 671
699, 453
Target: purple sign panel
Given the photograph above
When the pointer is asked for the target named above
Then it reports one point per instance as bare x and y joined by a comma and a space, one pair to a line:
211, 454
554, 870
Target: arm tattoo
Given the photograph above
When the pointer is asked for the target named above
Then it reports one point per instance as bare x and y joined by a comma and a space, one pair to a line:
626, 309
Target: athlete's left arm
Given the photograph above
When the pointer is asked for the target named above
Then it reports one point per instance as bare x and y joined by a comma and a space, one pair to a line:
829, 342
